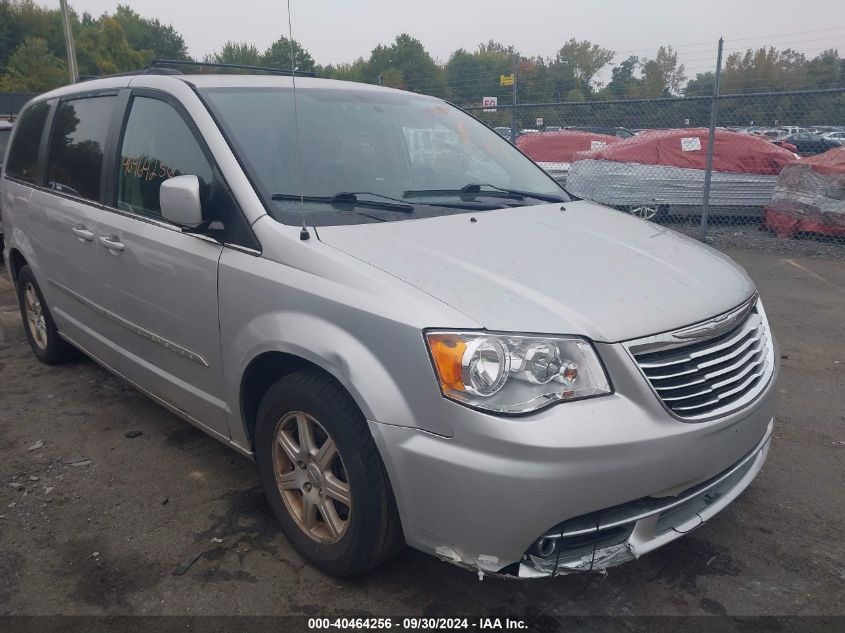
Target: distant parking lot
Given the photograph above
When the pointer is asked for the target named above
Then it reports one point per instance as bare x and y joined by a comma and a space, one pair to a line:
111, 505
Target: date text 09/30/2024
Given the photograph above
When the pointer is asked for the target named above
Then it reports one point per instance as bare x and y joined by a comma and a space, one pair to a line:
408, 624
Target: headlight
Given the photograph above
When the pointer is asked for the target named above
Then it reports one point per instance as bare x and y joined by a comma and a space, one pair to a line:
513, 373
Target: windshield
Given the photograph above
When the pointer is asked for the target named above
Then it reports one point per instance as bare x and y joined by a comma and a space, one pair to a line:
381, 145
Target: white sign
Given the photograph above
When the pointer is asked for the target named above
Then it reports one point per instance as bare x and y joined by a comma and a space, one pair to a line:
489, 103
539, 121
597, 144
690, 144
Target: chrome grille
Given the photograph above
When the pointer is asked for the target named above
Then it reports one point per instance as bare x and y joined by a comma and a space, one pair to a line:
714, 376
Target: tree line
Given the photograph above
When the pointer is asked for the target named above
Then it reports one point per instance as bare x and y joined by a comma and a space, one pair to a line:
32, 59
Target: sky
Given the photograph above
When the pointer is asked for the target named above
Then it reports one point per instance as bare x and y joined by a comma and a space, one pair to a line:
342, 30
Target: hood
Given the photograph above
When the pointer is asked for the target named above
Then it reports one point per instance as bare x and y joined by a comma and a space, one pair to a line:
588, 270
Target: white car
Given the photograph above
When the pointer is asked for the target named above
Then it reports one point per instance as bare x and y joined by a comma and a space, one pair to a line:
791, 129
838, 136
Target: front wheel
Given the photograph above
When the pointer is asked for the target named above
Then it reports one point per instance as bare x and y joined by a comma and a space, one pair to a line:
323, 476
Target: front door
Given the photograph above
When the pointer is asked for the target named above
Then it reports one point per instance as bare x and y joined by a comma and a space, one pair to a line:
159, 284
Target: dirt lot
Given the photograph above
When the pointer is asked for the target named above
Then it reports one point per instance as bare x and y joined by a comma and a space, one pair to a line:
95, 522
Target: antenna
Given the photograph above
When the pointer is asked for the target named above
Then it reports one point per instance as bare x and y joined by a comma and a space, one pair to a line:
304, 233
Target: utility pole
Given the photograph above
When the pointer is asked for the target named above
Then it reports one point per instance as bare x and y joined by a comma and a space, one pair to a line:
71, 51
714, 109
513, 101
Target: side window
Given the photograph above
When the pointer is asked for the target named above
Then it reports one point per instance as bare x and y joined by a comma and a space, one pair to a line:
157, 145
23, 155
75, 157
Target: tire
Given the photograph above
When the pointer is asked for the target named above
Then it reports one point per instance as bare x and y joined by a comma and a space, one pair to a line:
357, 535
38, 323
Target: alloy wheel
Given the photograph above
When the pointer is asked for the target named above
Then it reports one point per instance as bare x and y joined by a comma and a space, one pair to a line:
311, 477
35, 318
644, 211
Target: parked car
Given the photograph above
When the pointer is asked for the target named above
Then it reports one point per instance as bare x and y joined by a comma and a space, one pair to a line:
609, 130
807, 144
528, 130
773, 134
661, 173
552, 128
504, 132
789, 130
415, 332
5, 133
553, 151
824, 129
838, 136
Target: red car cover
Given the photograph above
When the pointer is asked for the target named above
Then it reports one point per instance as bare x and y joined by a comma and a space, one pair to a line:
561, 145
810, 196
687, 147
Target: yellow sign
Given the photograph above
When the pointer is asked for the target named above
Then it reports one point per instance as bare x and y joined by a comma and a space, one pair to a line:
505, 80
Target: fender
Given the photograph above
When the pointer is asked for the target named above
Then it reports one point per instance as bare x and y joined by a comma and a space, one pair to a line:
359, 324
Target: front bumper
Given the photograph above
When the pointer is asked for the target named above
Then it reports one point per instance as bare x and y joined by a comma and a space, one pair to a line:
613, 536
483, 498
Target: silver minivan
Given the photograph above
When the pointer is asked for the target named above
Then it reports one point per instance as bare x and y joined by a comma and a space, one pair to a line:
419, 336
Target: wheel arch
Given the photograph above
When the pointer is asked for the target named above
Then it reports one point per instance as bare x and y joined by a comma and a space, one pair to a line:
16, 262
265, 370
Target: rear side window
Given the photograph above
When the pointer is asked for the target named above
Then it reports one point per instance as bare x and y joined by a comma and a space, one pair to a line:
23, 155
157, 145
75, 158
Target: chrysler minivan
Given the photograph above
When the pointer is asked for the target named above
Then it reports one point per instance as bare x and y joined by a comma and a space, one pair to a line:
418, 335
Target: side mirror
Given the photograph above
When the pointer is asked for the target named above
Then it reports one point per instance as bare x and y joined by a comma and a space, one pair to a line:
179, 198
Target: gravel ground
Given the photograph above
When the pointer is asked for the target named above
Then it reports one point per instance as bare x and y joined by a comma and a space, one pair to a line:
95, 522
751, 236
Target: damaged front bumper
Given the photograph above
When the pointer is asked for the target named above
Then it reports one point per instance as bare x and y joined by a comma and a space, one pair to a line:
610, 537
576, 487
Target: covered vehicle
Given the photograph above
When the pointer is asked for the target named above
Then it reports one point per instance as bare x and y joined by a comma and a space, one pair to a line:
663, 171
810, 196
553, 151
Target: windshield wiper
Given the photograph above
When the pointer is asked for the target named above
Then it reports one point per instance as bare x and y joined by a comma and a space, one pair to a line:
473, 190
350, 198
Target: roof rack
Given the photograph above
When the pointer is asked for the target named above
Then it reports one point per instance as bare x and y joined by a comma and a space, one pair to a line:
131, 73
168, 64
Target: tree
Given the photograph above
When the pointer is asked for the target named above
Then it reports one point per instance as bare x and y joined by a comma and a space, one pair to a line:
583, 60
624, 84
356, 71
702, 86
407, 58
823, 70
279, 52
473, 75
159, 40
236, 53
102, 49
663, 76
33, 68
21, 19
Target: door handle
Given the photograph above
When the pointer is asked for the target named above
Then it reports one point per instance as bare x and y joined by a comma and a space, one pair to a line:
82, 233
112, 242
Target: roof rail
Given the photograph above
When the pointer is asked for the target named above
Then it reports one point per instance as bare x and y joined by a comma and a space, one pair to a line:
131, 73
168, 64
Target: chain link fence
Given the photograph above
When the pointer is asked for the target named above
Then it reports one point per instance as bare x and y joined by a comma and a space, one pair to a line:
776, 175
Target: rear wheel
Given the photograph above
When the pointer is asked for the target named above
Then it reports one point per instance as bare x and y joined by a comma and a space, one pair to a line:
323, 476
38, 323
